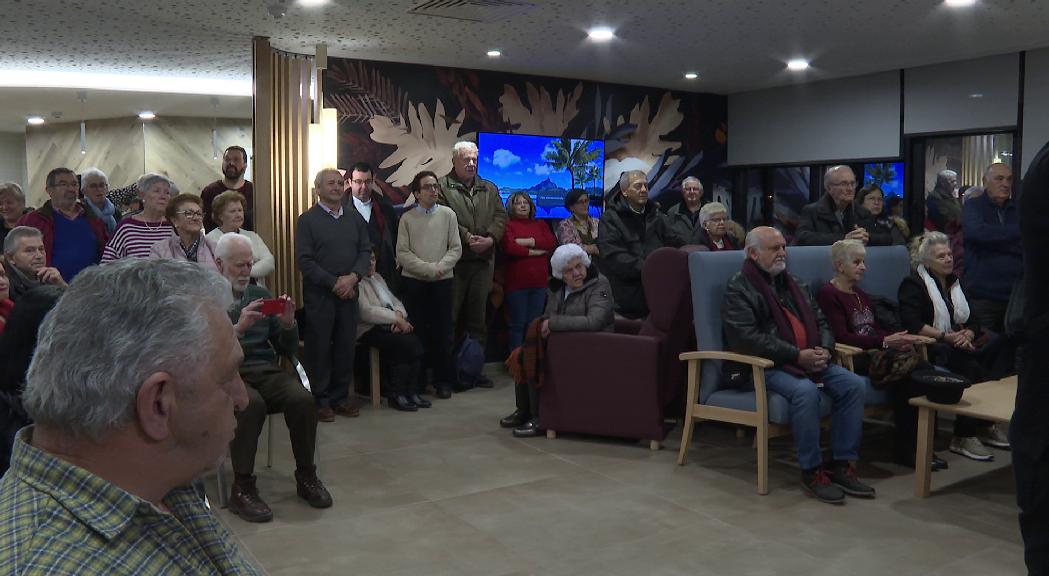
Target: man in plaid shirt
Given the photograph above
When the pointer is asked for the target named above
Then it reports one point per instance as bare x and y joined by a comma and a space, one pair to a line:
100, 484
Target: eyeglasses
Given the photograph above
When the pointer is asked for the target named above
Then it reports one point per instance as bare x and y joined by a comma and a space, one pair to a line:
191, 213
844, 184
430, 187
717, 220
363, 182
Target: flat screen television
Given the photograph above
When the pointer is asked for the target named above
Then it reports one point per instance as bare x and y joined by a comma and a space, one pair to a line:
521, 162
885, 175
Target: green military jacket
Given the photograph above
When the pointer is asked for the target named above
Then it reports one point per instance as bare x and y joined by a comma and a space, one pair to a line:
479, 210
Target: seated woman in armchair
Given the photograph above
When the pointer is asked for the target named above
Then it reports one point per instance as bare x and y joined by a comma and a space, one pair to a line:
579, 300
933, 304
850, 314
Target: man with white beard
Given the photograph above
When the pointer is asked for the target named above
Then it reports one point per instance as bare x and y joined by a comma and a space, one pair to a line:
771, 314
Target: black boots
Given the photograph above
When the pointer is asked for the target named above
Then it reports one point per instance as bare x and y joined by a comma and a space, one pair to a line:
524, 420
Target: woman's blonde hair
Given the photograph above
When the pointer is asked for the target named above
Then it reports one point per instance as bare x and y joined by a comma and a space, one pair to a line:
845, 250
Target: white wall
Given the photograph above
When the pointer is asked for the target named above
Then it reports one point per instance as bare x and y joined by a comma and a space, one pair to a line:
850, 118
1036, 105
940, 98
13, 158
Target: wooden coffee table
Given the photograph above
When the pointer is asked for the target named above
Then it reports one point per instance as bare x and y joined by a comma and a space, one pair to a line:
992, 400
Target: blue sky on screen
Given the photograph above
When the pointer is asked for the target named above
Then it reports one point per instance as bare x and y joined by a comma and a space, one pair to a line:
516, 160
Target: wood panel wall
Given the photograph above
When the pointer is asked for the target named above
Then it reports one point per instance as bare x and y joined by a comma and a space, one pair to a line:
125, 148
282, 118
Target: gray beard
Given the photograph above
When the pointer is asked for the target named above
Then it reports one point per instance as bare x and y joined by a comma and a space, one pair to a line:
775, 270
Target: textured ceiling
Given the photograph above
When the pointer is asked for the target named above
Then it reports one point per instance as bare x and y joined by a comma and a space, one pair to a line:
734, 44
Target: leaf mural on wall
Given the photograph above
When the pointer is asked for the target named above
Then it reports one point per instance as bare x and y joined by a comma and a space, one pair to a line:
466, 86
425, 143
360, 93
542, 115
640, 147
646, 141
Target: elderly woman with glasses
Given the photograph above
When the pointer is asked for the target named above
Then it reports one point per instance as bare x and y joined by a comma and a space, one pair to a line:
186, 214
714, 233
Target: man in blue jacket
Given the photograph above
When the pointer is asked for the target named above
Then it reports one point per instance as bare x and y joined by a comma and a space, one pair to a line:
993, 252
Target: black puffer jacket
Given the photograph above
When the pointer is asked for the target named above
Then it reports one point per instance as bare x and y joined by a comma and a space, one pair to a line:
819, 226
588, 309
625, 238
750, 327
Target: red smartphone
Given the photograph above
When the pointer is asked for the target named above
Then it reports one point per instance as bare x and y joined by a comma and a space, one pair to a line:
272, 306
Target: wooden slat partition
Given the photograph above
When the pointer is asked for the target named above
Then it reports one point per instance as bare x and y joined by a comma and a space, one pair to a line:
282, 186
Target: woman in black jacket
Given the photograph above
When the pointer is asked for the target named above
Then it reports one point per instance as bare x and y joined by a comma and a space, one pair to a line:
933, 304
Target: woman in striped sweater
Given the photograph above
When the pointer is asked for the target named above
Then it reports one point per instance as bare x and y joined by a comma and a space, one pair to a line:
135, 235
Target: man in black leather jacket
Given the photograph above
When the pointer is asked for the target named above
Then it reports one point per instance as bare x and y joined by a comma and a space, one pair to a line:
771, 314
631, 228
835, 217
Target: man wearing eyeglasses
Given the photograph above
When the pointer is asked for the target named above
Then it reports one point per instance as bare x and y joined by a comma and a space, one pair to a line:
378, 212
73, 237
835, 217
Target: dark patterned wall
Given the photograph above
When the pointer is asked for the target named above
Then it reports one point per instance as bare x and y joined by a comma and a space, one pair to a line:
403, 118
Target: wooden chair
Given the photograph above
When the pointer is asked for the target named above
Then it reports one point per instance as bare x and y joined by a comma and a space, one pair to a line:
710, 396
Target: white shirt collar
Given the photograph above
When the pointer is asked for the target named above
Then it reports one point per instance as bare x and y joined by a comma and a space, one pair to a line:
365, 208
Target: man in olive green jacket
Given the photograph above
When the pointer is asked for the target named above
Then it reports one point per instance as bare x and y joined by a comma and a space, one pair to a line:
482, 219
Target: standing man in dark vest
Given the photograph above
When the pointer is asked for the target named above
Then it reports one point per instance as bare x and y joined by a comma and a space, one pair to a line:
382, 221
482, 219
333, 252
234, 164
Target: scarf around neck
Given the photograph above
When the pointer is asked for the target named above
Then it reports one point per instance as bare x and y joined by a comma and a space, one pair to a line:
106, 214
942, 319
758, 279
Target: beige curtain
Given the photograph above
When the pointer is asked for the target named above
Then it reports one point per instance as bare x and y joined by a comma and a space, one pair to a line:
283, 110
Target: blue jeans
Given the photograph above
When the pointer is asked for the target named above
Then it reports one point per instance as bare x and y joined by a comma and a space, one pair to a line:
848, 392
525, 305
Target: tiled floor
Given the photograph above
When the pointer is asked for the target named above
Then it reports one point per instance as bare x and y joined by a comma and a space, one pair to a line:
446, 491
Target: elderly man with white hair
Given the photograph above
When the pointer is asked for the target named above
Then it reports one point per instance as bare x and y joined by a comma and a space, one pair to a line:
482, 221
579, 300
683, 217
101, 482
835, 217
631, 228
771, 314
94, 186
266, 327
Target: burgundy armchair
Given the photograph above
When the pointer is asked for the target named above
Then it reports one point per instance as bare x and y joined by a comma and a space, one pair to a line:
621, 383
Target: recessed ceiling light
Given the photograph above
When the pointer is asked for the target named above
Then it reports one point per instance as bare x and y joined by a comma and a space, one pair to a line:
691, 75
312, 2
601, 34
798, 64
35, 120
976, 95
146, 115
494, 53
959, 3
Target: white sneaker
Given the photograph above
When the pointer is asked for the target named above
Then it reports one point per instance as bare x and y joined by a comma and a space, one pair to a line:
972, 448
994, 437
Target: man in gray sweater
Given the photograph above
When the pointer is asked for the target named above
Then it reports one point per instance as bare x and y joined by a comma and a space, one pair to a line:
333, 252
